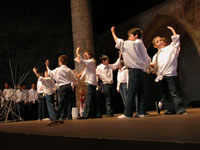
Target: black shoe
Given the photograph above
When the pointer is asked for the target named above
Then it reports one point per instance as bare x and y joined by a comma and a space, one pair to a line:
68, 118
157, 107
168, 113
183, 113
82, 118
109, 115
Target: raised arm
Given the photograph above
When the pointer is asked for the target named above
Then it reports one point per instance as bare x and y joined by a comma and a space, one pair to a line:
35, 71
78, 56
114, 34
47, 62
172, 30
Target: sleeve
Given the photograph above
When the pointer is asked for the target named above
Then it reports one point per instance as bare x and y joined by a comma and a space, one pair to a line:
154, 59
52, 73
115, 65
120, 44
72, 76
143, 53
176, 42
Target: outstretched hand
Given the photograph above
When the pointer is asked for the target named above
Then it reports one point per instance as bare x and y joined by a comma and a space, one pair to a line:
113, 29
77, 50
35, 70
172, 29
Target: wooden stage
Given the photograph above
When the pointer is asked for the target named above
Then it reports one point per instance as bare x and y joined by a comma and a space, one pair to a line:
155, 131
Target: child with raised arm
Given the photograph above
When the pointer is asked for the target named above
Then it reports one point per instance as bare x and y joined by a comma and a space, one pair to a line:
105, 74
136, 60
49, 89
90, 79
63, 77
165, 63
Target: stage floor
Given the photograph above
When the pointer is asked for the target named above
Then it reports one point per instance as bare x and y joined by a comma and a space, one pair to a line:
175, 128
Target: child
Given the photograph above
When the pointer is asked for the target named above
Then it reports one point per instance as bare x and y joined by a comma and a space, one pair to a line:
63, 77
166, 63
105, 74
136, 60
122, 81
82, 100
33, 99
49, 89
90, 79
8, 92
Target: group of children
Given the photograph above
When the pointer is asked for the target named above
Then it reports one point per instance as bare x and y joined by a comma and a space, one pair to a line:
131, 72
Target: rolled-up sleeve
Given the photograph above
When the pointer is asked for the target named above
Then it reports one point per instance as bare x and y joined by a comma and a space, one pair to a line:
176, 42
119, 44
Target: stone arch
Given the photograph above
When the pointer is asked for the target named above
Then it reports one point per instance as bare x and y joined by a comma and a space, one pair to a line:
189, 62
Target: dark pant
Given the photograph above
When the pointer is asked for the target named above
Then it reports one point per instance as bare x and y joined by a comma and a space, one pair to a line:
50, 106
135, 87
123, 91
171, 94
108, 93
41, 106
64, 101
89, 110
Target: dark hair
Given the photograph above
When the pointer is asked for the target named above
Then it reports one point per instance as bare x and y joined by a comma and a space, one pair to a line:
136, 31
63, 59
103, 58
91, 53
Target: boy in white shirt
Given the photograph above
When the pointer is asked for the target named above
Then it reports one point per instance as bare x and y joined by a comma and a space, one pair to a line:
8, 92
49, 88
165, 63
90, 79
33, 99
136, 60
63, 77
105, 74
41, 100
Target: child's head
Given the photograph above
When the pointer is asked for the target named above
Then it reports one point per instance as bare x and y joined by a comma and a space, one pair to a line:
24, 86
104, 59
62, 60
88, 55
46, 74
159, 42
121, 64
33, 86
7, 85
134, 34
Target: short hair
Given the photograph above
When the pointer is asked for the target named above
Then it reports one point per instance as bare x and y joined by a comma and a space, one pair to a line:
136, 31
103, 58
90, 53
63, 59
162, 38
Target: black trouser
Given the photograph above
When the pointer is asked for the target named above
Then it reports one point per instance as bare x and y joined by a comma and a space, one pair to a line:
89, 110
171, 94
64, 101
41, 106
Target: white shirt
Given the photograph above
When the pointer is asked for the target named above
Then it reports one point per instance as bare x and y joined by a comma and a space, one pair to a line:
33, 95
8, 94
105, 72
40, 87
49, 86
122, 76
18, 95
134, 53
1, 97
62, 75
167, 60
90, 71
25, 96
